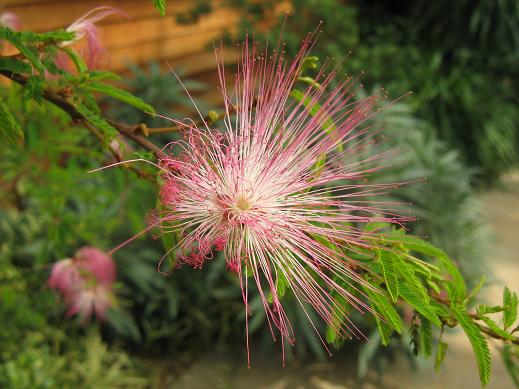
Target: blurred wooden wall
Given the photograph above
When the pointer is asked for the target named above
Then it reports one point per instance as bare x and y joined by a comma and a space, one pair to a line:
145, 36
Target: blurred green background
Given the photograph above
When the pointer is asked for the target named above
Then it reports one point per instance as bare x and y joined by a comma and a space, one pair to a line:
459, 128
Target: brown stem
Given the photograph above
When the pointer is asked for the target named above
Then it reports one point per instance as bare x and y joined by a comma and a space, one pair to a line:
128, 131
117, 155
476, 316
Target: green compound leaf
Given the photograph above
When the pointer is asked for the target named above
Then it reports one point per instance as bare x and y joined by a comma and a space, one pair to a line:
46, 37
14, 65
78, 61
282, 285
340, 309
169, 239
484, 309
160, 5
119, 94
475, 290
424, 308
478, 342
28, 52
387, 263
97, 121
440, 354
495, 327
510, 354
34, 88
408, 276
98, 75
458, 287
381, 304
10, 130
510, 302
425, 337
384, 330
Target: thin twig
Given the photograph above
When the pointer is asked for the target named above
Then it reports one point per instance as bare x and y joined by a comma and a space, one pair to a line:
129, 131
476, 316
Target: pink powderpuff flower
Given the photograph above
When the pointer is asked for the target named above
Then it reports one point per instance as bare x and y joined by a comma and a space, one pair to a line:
281, 191
85, 28
85, 282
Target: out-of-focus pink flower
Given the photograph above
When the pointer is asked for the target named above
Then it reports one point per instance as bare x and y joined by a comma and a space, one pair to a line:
10, 20
282, 191
85, 282
85, 29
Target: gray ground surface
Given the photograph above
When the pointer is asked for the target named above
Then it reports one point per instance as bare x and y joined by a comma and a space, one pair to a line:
226, 370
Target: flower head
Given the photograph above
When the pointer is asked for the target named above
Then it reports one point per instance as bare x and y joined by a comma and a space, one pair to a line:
278, 191
85, 282
85, 28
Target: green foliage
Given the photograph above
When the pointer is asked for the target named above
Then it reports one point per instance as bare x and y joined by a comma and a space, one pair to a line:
79, 63
421, 285
10, 131
192, 15
38, 349
37, 54
14, 65
440, 354
421, 336
15, 38
510, 302
160, 5
387, 264
425, 337
119, 94
52, 208
510, 354
478, 342
445, 204
97, 121
34, 88
385, 309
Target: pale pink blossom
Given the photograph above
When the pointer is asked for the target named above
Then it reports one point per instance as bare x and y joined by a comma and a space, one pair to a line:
85, 282
85, 30
10, 20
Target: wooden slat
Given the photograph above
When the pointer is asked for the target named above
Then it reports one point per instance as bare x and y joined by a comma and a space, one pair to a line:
147, 37
158, 50
129, 34
200, 63
50, 15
